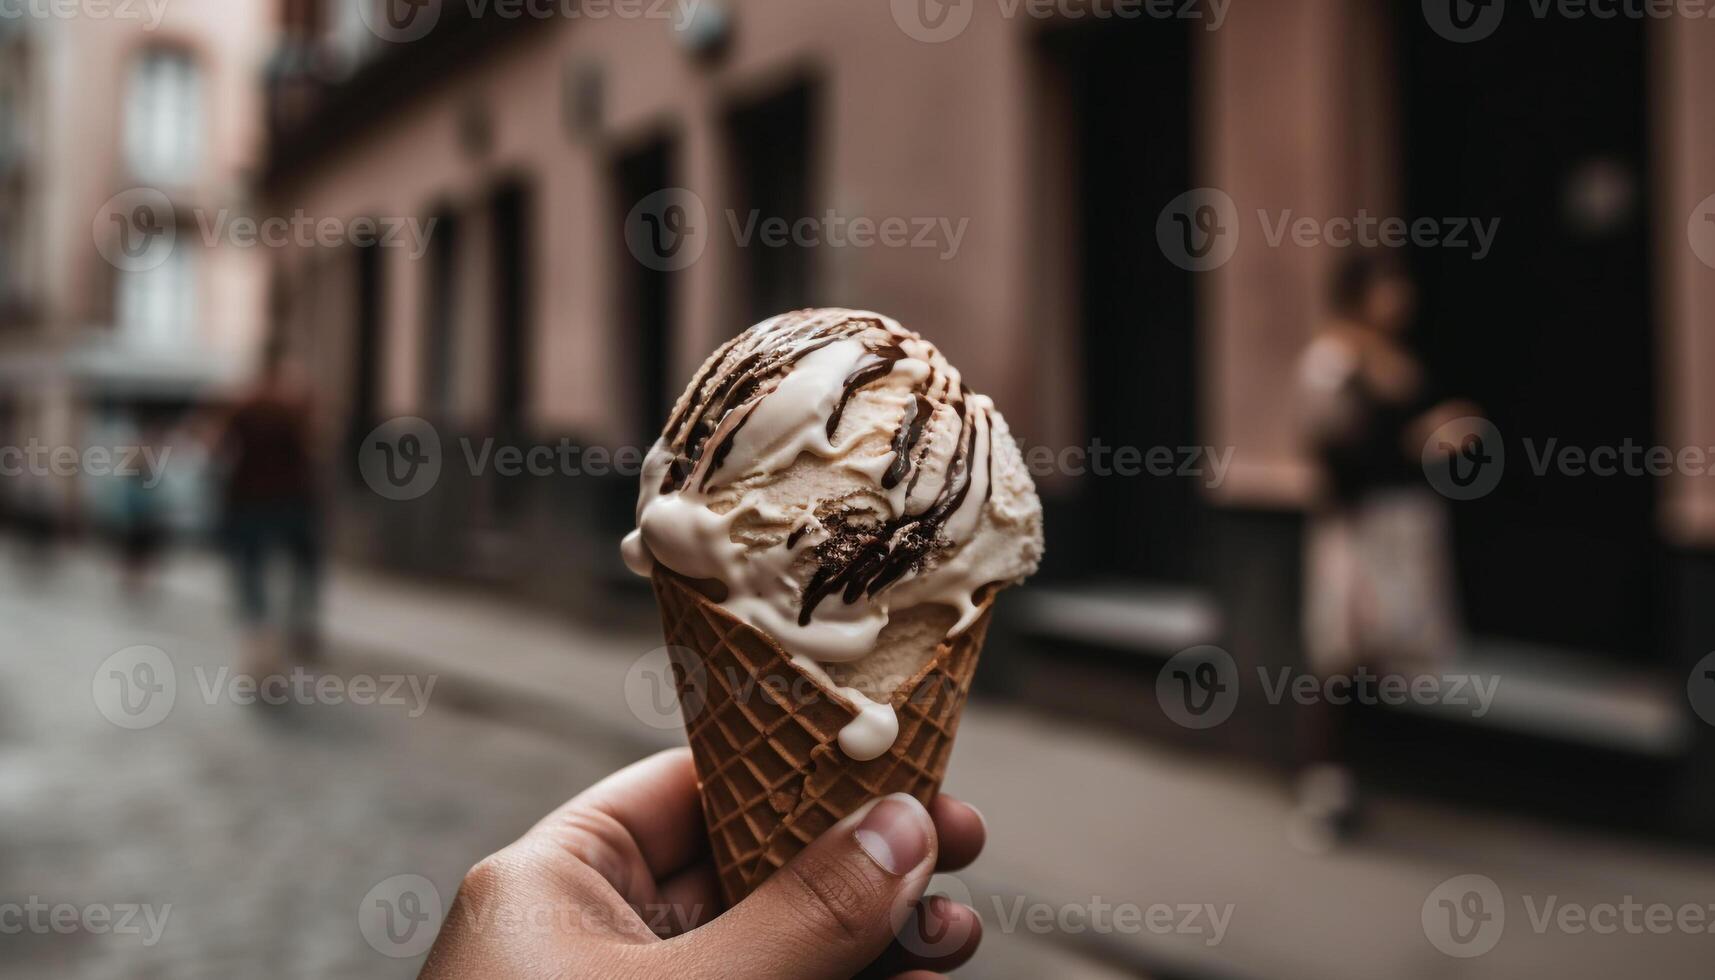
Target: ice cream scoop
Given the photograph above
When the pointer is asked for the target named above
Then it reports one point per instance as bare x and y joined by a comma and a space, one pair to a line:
835, 485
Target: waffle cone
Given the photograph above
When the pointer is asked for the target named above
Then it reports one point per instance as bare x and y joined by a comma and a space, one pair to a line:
763, 734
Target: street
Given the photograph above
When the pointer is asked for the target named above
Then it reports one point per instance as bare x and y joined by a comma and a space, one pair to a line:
233, 839
261, 827
203, 834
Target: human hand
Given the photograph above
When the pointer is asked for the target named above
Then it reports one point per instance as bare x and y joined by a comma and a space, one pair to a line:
618, 883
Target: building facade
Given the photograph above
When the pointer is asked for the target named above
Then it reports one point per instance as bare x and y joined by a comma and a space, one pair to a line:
127, 148
581, 205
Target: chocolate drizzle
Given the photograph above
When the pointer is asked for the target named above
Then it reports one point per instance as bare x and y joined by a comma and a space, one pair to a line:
878, 367
862, 560
858, 558
750, 366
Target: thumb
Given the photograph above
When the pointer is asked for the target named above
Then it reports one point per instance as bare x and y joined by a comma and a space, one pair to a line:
834, 908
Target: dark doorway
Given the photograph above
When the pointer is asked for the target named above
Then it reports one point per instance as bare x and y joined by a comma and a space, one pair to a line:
772, 145
442, 296
646, 294
511, 293
1128, 90
1543, 125
365, 349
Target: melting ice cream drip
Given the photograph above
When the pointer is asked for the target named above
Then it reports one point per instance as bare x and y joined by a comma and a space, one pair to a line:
781, 390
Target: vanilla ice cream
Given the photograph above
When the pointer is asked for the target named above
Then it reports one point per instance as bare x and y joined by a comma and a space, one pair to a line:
834, 484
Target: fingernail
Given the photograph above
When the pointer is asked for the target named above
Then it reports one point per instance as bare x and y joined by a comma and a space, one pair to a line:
895, 833
981, 820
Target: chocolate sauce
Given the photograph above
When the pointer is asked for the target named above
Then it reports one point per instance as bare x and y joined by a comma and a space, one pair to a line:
857, 559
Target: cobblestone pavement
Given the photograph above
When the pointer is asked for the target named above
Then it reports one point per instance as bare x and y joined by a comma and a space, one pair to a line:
267, 829
262, 828
251, 834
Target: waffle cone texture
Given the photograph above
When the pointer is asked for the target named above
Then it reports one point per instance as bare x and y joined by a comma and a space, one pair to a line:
764, 734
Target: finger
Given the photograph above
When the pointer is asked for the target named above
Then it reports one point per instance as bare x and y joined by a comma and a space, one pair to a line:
831, 911
654, 803
691, 897
961, 831
940, 935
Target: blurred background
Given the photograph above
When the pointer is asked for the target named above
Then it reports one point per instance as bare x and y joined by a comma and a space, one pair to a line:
1358, 350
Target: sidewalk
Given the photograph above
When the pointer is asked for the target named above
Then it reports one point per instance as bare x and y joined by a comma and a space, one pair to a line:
1168, 829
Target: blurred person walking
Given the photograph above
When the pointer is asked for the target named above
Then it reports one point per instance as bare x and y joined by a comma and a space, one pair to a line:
143, 533
1379, 588
264, 447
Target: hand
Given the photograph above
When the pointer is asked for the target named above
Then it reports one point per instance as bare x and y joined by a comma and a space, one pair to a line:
1429, 424
618, 884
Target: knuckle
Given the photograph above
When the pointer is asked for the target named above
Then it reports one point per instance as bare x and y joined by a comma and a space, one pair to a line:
842, 901
489, 878
601, 843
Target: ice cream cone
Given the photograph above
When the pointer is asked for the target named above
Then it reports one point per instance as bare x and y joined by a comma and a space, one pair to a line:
763, 734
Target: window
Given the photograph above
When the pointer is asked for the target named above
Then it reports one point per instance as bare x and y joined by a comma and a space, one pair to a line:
351, 37
163, 117
157, 307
